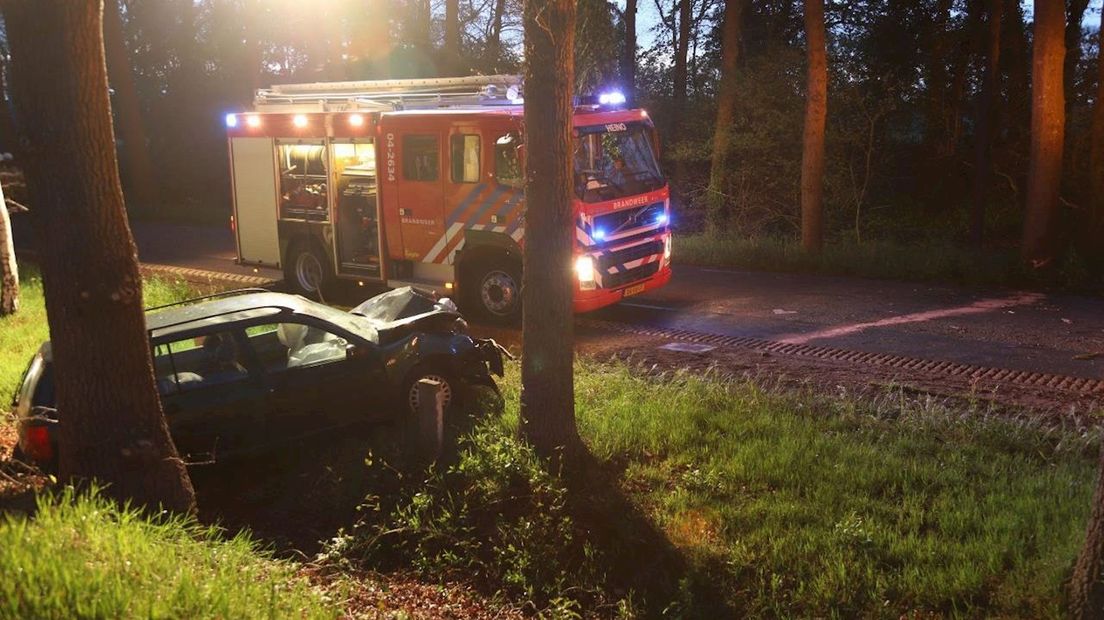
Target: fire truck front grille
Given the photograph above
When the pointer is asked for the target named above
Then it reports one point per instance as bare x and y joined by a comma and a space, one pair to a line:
630, 276
620, 220
629, 254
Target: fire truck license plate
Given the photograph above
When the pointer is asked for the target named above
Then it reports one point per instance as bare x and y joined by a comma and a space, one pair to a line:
633, 290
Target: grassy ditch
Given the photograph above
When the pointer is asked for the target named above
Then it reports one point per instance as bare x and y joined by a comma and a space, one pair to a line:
22, 333
933, 261
83, 557
703, 498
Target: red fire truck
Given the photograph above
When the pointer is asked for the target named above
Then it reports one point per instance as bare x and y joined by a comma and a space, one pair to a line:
420, 182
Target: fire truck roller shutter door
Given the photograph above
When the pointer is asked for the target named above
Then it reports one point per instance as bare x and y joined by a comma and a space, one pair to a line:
255, 200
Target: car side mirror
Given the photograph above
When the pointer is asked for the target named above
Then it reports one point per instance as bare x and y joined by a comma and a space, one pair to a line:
355, 351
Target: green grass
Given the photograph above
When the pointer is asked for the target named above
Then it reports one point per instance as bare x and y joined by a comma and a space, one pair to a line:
81, 557
932, 261
796, 505
22, 333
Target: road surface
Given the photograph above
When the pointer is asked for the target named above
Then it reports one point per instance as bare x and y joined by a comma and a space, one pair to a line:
1020, 330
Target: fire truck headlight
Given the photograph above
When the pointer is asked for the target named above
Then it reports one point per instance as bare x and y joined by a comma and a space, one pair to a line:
231, 120
584, 270
667, 250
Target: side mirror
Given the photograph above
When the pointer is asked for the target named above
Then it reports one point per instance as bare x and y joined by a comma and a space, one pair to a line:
356, 351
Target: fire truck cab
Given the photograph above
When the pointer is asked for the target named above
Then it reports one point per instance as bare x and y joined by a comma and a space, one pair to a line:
421, 182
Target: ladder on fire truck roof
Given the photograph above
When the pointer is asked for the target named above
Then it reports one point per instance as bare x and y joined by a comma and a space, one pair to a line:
387, 95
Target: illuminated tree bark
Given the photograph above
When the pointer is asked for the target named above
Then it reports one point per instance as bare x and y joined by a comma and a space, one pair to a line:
1096, 164
9, 271
716, 217
983, 124
1086, 593
1048, 120
547, 380
816, 114
113, 430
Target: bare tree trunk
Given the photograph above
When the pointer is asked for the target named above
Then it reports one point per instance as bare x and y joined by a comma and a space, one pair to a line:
1048, 121
679, 76
9, 271
935, 130
1094, 243
816, 115
547, 374
1086, 588
983, 124
128, 110
628, 53
494, 41
1075, 14
731, 32
112, 427
451, 51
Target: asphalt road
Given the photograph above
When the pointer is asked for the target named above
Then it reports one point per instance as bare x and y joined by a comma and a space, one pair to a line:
1022, 330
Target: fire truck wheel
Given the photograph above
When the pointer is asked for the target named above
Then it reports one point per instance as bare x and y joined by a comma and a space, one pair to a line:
495, 292
307, 271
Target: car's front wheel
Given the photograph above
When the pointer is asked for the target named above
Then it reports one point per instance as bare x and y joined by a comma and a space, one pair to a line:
411, 396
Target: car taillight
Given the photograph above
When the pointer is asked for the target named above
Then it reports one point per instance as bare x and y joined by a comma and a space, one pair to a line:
37, 444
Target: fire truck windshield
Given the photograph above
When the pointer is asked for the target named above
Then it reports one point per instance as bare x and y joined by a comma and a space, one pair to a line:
614, 161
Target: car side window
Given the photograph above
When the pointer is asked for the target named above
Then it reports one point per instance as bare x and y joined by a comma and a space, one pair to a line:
284, 346
464, 155
201, 361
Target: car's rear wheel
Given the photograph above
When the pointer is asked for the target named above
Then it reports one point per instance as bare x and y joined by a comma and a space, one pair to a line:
493, 291
411, 396
307, 272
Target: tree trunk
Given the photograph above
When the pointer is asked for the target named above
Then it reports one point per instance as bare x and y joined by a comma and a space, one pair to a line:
1075, 14
816, 114
628, 53
1094, 244
9, 271
983, 124
494, 41
1048, 120
1086, 589
935, 130
679, 76
112, 429
731, 30
451, 51
128, 110
547, 390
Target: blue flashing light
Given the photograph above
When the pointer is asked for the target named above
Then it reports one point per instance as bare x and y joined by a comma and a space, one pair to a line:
612, 98
599, 234
661, 219
231, 120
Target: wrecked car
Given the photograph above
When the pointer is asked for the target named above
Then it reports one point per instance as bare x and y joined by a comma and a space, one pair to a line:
242, 371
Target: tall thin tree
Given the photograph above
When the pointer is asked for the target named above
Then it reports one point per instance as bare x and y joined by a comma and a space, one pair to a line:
983, 121
451, 49
1048, 122
680, 73
113, 430
9, 271
547, 380
1096, 163
137, 169
720, 171
816, 115
628, 51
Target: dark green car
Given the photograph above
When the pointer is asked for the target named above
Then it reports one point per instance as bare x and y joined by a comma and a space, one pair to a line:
243, 371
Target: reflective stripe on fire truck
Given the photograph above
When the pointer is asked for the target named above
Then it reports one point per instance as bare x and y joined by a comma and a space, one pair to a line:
444, 250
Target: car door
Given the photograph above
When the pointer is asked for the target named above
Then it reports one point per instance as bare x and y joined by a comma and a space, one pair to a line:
212, 396
318, 377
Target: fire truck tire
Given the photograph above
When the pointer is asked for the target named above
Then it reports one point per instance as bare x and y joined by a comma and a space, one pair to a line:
307, 271
493, 292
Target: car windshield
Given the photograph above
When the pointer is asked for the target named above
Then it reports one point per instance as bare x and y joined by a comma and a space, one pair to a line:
614, 161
